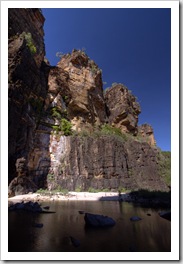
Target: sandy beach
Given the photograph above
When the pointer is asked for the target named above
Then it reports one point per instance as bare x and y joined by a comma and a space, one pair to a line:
89, 196
102, 196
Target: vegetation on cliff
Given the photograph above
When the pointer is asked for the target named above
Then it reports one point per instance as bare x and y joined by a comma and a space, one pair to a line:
164, 159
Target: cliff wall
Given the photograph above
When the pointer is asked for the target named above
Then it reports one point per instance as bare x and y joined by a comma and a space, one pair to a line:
27, 89
63, 131
103, 162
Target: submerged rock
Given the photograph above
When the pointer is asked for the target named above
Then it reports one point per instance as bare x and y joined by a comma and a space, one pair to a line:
166, 215
95, 220
29, 206
46, 207
75, 242
135, 218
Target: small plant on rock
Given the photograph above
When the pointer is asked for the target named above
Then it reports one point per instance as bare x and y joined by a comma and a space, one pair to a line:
29, 42
66, 127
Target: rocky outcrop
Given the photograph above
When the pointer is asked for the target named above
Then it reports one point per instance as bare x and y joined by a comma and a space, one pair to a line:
47, 103
146, 132
75, 88
123, 109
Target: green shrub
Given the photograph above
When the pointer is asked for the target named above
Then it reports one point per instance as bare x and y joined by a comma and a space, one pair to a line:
29, 42
65, 97
164, 160
66, 127
94, 68
42, 191
50, 177
56, 128
122, 189
55, 112
105, 190
59, 189
78, 189
109, 130
93, 190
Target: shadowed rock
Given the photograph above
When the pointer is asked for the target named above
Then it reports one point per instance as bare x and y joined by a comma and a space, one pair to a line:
75, 242
46, 207
95, 220
165, 215
30, 207
135, 218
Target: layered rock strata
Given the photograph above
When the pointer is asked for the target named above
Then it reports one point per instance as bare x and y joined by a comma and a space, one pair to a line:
105, 162
47, 102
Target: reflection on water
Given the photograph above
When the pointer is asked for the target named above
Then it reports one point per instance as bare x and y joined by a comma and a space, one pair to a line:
151, 234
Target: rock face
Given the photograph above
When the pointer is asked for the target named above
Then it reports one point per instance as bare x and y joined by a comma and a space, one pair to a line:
47, 103
103, 162
75, 86
123, 108
28, 20
146, 132
27, 90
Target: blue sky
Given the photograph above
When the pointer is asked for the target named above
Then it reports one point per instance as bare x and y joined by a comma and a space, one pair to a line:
131, 46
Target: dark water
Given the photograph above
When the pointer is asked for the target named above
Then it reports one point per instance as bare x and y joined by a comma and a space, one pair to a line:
151, 234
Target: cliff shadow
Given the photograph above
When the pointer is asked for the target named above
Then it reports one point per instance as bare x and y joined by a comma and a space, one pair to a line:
143, 197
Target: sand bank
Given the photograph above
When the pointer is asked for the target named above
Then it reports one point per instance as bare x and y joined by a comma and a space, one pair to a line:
75, 196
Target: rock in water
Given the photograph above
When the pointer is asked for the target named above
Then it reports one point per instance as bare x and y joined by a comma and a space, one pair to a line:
95, 220
46, 207
81, 212
165, 215
135, 218
75, 242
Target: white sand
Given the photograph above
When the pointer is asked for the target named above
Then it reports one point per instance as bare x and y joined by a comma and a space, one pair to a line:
104, 196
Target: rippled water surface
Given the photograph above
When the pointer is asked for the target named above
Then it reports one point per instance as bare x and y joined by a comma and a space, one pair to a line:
152, 233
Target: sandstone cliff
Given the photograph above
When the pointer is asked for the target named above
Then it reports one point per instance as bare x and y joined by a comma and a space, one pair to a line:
123, 108
61, 126
103, 162
75, 86
27, 89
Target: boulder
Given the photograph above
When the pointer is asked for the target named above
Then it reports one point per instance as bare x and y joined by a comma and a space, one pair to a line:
46, 207
75, 242
135, 218
95, 220
165, 215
